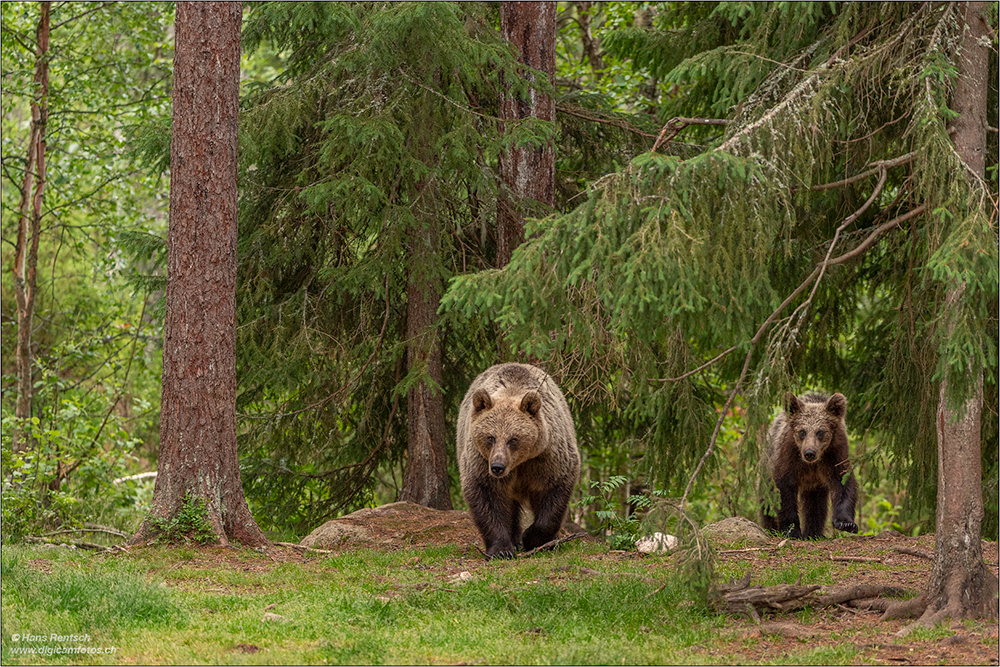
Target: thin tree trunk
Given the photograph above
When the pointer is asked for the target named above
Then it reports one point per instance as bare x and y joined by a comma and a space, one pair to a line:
526, 173
29, 227
426, 479
961, 586
198, 457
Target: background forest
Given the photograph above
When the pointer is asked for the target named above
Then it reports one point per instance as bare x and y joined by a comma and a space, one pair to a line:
707, 157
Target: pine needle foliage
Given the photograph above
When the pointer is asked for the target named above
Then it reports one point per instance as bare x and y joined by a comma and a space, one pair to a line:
382, 123
836, 148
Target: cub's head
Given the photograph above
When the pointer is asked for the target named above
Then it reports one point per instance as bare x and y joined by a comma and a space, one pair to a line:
813, 420
507, 430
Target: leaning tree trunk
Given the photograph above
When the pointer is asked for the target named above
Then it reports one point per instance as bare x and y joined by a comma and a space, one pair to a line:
526, 172
961, 586
198, 458
426, 477
28, 228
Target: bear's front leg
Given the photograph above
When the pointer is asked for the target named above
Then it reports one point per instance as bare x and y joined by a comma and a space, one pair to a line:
498, 519
845, 496
549, 509
814, 512
788, 515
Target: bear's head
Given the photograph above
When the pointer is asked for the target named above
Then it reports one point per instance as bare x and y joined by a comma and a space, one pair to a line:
813, 421
507, 430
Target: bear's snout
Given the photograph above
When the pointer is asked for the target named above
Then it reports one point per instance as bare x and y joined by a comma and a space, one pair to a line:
809, 455
497, 469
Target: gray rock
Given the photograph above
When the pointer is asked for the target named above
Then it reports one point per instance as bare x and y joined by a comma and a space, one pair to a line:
333, 534
735, 529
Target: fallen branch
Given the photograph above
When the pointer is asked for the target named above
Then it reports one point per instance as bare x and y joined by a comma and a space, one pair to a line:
301, 547
549, 546
738, 598
855, 559
839, 594
62, 543
911, 551
88, 528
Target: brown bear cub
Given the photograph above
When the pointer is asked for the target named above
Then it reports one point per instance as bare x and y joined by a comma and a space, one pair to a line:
807, 457
516, 445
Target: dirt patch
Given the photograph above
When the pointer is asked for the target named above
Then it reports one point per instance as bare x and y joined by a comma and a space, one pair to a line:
401, 525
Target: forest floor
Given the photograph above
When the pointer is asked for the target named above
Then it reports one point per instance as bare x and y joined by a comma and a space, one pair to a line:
414, 588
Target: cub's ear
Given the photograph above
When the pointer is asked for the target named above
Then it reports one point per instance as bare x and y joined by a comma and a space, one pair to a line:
836, 405
792, 403
481, 401
531, 403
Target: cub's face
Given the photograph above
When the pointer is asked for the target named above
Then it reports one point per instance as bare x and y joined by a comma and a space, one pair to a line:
813, 424
506, 431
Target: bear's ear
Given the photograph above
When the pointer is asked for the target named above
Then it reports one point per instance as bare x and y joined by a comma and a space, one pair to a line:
837, 405
531, 403
792, 403
481, 401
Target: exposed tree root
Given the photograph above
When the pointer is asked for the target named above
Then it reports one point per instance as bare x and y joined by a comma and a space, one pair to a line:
741, 598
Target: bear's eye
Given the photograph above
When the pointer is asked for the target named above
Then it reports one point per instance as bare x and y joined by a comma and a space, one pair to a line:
802, 434
820, 434
490, 440
512, 443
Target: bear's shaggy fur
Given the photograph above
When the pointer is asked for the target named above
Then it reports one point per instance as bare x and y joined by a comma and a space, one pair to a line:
807, 457
516, 444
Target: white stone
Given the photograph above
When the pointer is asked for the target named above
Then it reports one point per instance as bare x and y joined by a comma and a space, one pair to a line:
657, 543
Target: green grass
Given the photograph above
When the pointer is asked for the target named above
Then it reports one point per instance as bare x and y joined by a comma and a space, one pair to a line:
185, 605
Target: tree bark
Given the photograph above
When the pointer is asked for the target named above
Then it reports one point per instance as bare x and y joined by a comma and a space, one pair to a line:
28, 228
961, 586
198, 456
525, 172
426, 479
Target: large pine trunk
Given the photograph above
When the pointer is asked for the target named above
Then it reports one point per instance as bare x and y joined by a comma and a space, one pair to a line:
198, 457
29, 227
961, 586
526, 172
426, 478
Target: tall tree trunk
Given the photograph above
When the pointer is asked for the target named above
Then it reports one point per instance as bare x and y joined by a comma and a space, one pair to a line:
29, 226
426, 478
198, 457
527, 173
961, 586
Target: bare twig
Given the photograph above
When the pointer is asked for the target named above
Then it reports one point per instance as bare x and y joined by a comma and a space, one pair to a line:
572, 111
855, 559
301, 547
696, 370
678, 124
548, 546
876, 167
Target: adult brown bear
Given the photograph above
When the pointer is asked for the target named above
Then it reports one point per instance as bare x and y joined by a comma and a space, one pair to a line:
516, 445
808, 460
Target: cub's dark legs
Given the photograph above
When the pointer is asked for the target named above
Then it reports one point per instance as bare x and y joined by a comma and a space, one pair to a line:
845, 497
549, 509
814, 512
788, 515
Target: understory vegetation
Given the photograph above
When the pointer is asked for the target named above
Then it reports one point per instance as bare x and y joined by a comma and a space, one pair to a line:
829, 138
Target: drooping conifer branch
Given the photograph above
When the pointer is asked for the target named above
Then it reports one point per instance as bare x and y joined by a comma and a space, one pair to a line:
820, 268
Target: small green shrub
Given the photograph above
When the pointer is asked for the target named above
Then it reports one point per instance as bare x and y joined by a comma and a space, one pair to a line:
189, 524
